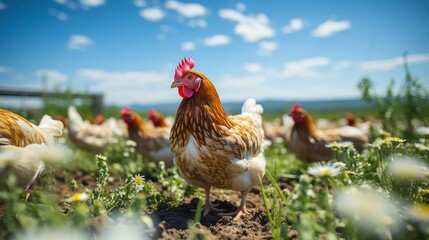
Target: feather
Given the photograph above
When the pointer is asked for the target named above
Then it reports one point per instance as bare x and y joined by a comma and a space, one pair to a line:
309, 143
213, 149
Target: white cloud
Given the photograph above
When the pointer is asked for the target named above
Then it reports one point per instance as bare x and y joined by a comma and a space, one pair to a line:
294, 25
189, 10
252, 67
91, 3
136, 77
266, 48
188, 46
62, 16
68, 3
342, 64
328, 28
389, 64
240, 7
2, 5
197, 23
251, 28
305, 68
4, 69
139, 3
216, 40
152, 14
51, 76
79, 42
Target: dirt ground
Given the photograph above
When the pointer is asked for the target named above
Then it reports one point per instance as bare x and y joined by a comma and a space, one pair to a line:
173, 222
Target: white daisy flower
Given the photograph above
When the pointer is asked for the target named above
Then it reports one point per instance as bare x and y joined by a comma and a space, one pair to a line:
421, 147
340, 165
324, 170
131, 143
139, 180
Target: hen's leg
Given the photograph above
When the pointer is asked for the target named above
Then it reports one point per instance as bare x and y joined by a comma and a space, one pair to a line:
241, 209
208, 206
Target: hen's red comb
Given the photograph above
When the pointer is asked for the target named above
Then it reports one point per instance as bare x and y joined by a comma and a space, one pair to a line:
125, 110
295, 108
151, 113
185, 65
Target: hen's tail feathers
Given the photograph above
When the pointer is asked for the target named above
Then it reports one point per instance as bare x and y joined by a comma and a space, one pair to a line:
50, 126
250, 106
74, 116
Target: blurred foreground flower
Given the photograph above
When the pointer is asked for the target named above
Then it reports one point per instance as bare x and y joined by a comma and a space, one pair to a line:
324, 170
56, 153
419, 212
53, 234
366, 207
126, 229
409, 168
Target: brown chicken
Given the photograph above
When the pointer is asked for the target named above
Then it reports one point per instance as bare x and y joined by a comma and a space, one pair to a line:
309, 143
19, 140
210, 148
151, 142
157, 118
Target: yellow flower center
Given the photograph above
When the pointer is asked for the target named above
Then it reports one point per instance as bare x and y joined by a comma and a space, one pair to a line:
138, 180
325, 172
75, 197
421, 210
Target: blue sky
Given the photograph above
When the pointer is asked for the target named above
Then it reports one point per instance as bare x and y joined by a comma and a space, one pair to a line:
294, 50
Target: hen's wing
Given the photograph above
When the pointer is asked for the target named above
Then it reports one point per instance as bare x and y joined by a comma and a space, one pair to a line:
18, 131
154, 144
311, 148
350, 134
230, 153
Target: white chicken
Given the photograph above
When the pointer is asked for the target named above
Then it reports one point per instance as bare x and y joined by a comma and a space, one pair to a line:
91, 137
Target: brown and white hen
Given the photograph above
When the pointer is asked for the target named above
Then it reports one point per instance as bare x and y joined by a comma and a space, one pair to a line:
210, 148
152, 142
309, 143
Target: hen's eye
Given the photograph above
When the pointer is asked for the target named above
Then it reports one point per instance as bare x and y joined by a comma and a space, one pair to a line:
189, 77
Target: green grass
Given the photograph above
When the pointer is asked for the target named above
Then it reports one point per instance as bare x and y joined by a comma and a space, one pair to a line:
370, 198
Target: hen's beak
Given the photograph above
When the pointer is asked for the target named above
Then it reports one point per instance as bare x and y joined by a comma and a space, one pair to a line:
176, 84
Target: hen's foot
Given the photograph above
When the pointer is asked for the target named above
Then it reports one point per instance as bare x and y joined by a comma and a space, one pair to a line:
236, 214
211, 207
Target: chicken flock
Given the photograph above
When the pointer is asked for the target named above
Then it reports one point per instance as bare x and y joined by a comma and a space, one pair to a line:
208, 147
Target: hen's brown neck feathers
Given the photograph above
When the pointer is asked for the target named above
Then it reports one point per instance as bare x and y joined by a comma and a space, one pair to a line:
307, 125
200, 114
138, 123
205, 99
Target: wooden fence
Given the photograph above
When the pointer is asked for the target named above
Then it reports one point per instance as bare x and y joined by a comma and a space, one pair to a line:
96, 99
